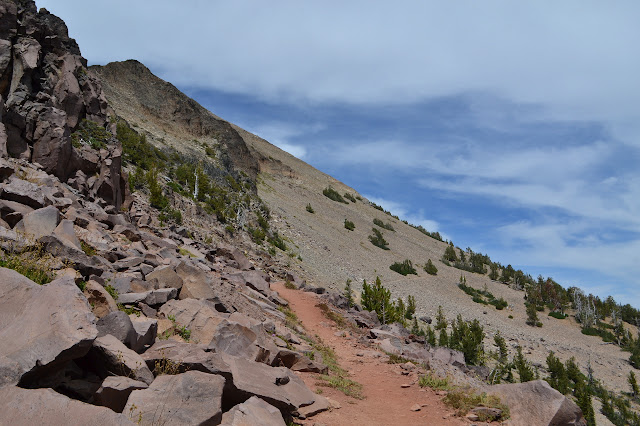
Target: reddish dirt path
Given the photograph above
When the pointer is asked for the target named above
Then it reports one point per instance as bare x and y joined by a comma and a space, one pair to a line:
386, 401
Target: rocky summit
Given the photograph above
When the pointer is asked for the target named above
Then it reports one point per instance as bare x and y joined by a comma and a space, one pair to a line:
146, 247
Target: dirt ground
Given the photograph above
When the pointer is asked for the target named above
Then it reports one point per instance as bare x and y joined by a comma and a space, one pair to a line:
388, 400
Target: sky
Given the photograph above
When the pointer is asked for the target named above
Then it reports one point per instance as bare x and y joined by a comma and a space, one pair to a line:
512, 128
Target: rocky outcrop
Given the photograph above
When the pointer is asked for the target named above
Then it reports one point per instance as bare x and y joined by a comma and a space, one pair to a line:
253, 411
45, 93
536, 403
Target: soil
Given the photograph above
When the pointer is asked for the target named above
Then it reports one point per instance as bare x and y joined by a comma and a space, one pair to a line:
386, 401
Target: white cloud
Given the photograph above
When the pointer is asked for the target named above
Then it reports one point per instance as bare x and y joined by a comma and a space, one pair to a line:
281, 134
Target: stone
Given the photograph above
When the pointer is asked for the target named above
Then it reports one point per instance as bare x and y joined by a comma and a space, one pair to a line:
117, 324
297, 362
65, 232
195, 282
199, 316
234, 254
6, 169
115, 390
253, 378
13, 212
187, 398
253, 411
22, 192
146, 331
537, 403
235, 339
99, 299
128, 231
74, 257
255, 280
416, 407
320, 405
110, 356
487, 413
448, 356
39, 222
41, 327
166, 277
365, 319
185, 357
46, 407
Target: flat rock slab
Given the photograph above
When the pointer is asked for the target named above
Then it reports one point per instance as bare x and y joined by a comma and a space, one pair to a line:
46, 407
181, 357
191, 398
39, 222
41, 326
199, 316
110, 356
253, 411
23, 192
115, 391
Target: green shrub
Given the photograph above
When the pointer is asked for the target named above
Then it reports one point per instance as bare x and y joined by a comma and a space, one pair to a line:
32, 262
383, 225
349, 197
277, 241
310, 209
91, 134
171, 215
430, 268
112, 291
334, 195
378, 240
349, 225
558, 315
404, 268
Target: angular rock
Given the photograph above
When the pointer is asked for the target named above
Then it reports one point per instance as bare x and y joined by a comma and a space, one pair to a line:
13, 212
41, 327
99, 299
110, 356
276, 385
166, 277
65, 232
129, 231
235, 339
39, 222
146, 331
183, 357
233, 253
76, 258
188, 398
320, 405
195, 282
366, 319
6, 169
199, 316
256, 280
115, 391
117, 324
537, 403
297, 362
253, 411
47, 407
22, 192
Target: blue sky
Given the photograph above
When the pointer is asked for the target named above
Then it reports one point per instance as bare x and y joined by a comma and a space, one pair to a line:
511, 128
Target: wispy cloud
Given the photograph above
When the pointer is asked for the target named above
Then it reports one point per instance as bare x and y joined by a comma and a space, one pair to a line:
282, 135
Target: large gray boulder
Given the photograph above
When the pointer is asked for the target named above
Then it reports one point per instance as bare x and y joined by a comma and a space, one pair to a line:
537, 403
235, 339
277, 385
195, 282
146, 331
253, 411
181, 357
118, 324
23, 192
115, 390
199, 316
110, 356
233, 253
190, 398
46, 407
39, 222
166, 277
41, 327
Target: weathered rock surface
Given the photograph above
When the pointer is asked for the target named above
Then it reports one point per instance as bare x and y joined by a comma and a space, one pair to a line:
253, 411
110, 356
46, 407
191, 398
39, 222
199, 316
117, 324
41, 326
115, 391
537, 403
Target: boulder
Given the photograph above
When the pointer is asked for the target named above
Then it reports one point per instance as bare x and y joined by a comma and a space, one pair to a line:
117, 324
74, 257
233, 253
195, 282
39, 222
298, 362
181, 357
46, 407
6, 169
253, 411
190, 398
41, 327
99, 299
319, 405
199, 316
537, 403
235, 339
65, 232
23, 192
366, 319
115, 391
256, 280
277, 385
146, 331
166, 277
13, 212
110, 356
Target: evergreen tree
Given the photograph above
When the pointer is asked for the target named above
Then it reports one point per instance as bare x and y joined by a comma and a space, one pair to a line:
502, 348
633, 383
558, 378
523, 366
415, 328
444, 338
348, 293
411, 307
431, 336
583, 399
430, 268
377, 298
441, 320
532, 315
493, 275
450, 254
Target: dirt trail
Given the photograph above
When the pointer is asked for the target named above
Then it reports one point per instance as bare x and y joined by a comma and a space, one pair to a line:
386, 401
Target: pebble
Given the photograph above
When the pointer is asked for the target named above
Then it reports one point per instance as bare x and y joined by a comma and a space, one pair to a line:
404, 386
416, 407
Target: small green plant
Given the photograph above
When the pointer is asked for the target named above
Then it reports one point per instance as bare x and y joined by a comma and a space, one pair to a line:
349, 197
87, 249
288, 284
112, 291
558, 315
310, 209
349, 225
430, 268
340, 321
434, 382
277, 241
81, 285
404, 268
334, 195
383, 225
33, 262
397, 359
91, 134
463, 400
291, 319
377, 239
338, 378
184, 252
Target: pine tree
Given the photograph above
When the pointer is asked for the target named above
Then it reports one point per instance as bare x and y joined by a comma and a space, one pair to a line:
633, 383
502, 348
450, 254
444, 338
348, 293
411, 307
583, 399
377, 298
441, 320
431, 336
558, 378
532, 316
522, 366
430, 268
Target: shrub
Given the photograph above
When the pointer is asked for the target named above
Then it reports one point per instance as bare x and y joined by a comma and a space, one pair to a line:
383, 225
91, 134
349, 225
171, 215
277, 241
349, 197
334, 195
378, 240
32, 262
112, 291
430, 268
532, 316
434, 382
558, 315
450, 254
309, 208
405, 268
